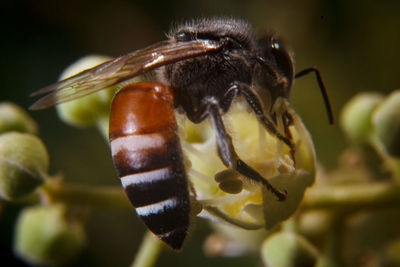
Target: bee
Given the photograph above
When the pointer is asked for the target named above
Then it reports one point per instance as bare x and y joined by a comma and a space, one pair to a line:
200, 69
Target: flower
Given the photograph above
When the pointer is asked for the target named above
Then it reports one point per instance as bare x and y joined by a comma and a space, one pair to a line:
225, 195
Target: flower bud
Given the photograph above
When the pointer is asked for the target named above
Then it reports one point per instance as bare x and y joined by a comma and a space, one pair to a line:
386, 121
356, 117
45, 235
14, 118
287, 249
24, 161
87, 110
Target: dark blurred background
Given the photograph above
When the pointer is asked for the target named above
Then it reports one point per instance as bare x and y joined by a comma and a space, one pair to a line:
353, 43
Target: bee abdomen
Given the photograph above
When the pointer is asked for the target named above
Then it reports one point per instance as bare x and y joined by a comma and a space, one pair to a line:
148, 158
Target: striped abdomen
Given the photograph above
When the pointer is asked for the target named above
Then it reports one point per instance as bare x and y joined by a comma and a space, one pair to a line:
148, 158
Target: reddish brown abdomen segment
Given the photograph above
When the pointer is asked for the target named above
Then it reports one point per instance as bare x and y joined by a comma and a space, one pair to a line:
148, 158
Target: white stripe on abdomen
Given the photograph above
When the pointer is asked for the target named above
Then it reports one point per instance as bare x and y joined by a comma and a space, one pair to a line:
158, 207
146, 177
137, 142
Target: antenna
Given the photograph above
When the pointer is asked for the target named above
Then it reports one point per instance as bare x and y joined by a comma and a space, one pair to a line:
322, 88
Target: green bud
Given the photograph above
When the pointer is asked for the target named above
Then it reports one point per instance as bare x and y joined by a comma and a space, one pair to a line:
356, 117
23, 163
45, 235
286, 249
87, 110
386, 120
14, 118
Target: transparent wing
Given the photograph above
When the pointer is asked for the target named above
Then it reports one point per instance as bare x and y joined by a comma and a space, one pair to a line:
121, 69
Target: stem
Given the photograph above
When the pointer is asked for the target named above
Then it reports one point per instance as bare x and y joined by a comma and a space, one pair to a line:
352, 197
148, 251
391, 163
344, 197
331, 254
104, 197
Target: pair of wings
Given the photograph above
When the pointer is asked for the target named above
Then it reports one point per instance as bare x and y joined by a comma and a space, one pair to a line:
120, 69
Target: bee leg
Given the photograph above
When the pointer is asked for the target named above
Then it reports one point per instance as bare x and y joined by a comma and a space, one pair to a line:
228, 154
287, 119
228, 97
255, 104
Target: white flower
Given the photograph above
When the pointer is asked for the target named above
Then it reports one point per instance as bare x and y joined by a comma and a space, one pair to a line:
226, 195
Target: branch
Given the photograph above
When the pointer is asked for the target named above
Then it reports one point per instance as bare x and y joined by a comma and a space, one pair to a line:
104, 197
148, 251
352, 197
345, 197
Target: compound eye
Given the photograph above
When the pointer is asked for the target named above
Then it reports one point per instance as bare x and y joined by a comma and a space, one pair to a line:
282, 58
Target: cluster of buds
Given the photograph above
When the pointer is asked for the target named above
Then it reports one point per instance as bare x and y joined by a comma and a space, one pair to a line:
44, 234
373, 120
24, 161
